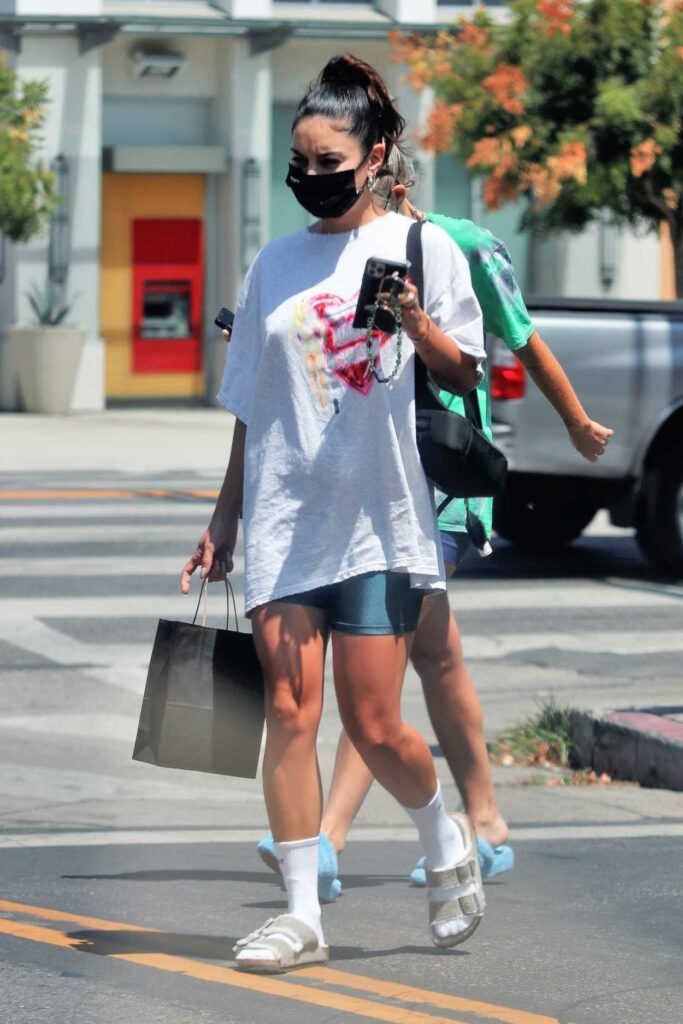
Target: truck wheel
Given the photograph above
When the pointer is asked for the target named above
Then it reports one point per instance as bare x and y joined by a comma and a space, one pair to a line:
660, 525
542, 519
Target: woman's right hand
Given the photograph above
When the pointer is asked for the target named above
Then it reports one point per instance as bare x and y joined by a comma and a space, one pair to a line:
213, 554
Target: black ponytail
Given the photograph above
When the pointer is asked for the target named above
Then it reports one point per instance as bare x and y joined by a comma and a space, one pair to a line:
350, 90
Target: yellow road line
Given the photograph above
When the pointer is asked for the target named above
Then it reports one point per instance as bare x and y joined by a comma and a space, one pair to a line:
49, 914
228, 976
262, 984
73, 494
425, 997
52, 495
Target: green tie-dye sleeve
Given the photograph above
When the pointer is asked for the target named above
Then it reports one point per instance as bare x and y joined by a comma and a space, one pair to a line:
493, 279
502, 305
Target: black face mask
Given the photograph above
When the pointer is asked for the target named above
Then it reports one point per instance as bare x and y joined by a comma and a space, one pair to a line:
325, 195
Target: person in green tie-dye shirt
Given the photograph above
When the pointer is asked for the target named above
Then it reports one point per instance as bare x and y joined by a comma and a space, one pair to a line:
451, 697
506, 317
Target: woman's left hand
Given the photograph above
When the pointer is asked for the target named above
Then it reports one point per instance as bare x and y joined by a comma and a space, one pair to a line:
415, 320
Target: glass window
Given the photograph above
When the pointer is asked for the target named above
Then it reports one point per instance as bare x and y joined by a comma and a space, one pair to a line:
286, 215
166, 310
156, 121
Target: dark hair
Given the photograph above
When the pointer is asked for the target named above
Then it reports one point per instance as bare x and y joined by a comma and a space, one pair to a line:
351, 90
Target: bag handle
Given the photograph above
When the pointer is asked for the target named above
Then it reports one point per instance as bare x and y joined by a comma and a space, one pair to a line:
229, 592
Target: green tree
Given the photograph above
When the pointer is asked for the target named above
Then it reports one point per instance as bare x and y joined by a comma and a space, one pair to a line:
27, 196
576, 105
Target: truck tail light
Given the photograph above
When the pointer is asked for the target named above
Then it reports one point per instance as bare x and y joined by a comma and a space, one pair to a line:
508, 377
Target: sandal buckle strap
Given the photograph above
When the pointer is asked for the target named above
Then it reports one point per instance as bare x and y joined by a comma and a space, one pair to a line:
459, 906
461, 874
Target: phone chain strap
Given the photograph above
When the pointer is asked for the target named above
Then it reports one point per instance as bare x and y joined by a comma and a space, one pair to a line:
229, 593
397, 310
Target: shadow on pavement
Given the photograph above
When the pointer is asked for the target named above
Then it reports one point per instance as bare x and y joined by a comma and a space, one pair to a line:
208, 947
112, 943
188, 875
590, 557
359, 953
181, 875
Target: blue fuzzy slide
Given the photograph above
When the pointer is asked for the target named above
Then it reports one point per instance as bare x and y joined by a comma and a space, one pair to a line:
494, 860
329, 886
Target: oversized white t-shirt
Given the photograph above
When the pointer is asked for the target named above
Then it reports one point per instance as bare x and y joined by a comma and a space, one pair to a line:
334, 486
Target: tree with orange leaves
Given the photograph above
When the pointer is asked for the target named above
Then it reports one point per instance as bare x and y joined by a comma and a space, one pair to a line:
577, 106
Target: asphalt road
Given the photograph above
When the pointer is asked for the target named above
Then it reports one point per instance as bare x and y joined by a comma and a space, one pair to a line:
580, 933
154, 871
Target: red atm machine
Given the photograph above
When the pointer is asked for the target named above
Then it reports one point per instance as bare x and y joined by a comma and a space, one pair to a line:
168, 284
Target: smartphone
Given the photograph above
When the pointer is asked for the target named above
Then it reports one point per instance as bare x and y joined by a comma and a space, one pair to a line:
225, 318
380, 275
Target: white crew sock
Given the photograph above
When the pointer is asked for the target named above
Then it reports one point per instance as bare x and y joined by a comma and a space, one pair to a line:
298, 862
443, 845
440, 838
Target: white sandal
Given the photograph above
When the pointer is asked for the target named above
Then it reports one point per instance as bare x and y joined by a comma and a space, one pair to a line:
282, 944
457, 891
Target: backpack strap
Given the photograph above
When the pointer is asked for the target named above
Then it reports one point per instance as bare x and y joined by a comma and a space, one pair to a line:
443, 506
472, 410
414, 257
416, 274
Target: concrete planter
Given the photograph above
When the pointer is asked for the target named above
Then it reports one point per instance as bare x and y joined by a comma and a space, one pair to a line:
47, 361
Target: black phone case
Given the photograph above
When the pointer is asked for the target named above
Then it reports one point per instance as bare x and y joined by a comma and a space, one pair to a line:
225, 318
371, 285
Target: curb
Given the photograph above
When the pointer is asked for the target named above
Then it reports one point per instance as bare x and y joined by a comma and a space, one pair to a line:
635, 746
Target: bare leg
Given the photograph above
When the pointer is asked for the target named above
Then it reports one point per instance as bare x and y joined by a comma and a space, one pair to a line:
290, 641
368, 673
457, 719
456, 714
351, 782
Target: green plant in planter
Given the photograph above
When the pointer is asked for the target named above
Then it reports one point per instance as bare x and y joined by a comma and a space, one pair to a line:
48, 306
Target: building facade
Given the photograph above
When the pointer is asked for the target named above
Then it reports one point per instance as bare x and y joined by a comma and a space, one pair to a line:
168, 126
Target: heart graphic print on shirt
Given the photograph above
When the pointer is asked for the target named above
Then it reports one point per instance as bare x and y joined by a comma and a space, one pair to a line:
329, 344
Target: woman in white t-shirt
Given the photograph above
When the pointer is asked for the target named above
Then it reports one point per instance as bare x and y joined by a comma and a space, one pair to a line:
341, 537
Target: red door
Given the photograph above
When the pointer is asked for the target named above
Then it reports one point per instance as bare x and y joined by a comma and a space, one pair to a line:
168, 278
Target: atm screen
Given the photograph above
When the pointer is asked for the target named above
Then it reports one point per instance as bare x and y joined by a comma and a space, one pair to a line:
165, 310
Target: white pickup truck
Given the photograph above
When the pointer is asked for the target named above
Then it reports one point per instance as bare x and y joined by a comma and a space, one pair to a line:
625, 360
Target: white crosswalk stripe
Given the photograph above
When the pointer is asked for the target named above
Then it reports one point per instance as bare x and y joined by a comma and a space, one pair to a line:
54, 535
124, 664
363, 834
99, 565
484, 599
144, 509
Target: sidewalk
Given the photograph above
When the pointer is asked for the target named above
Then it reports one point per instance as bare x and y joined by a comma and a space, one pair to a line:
639, 738
129, 441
